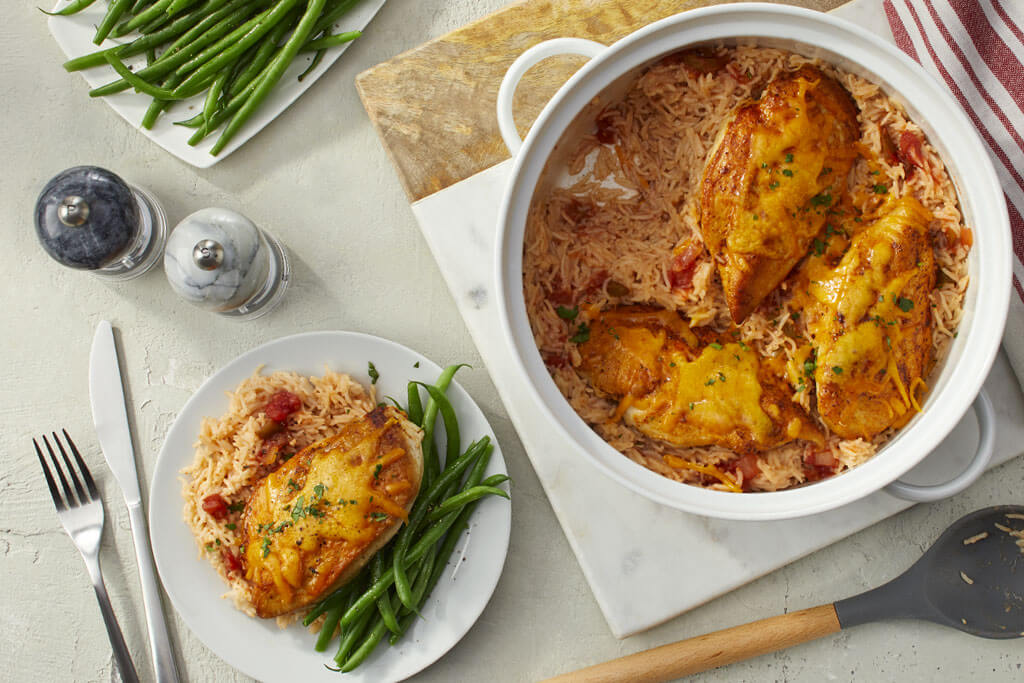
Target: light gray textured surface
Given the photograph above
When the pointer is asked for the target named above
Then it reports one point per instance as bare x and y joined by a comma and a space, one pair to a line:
319, 179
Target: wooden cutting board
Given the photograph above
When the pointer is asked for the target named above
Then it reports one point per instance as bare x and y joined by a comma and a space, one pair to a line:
433, 106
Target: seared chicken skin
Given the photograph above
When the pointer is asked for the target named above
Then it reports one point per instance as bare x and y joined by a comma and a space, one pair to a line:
777, 166
870, 321
690, 391
309, 526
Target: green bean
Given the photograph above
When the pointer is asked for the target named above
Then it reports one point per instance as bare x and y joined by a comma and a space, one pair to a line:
430, 415
213, 94
384, 606
495, 480
419, 586
139, 6
466, 496
207, 19
313, 63
150, 56
331, 41
155, 11
171, 59
351, 636
230, 48
332, 15
73, 8
330, 624
275, 71
234, 104
451, 423
262, 56
158, 105
137, 46
368, 645
156, 24
138, 83
178, 5
114, 12
415, 404
419, 513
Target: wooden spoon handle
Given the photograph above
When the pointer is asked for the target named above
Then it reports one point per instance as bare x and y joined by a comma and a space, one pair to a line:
714, 649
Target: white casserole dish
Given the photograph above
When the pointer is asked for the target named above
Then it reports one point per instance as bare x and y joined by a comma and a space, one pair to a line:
956, 383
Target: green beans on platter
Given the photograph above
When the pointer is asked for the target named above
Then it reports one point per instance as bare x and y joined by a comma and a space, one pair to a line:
386, 598
232, 53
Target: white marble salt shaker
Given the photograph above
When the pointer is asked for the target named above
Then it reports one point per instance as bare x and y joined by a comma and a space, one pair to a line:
218, 260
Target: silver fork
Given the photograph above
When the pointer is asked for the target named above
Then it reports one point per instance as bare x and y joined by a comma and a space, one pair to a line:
83, 520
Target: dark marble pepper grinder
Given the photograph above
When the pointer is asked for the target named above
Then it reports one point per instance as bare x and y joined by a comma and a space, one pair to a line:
90, 219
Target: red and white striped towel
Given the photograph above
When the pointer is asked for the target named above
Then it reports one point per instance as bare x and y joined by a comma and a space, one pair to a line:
976, 48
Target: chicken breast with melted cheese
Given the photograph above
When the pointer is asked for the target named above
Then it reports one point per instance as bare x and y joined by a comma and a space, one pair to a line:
312, 524
689, 390
777, 166
870, 321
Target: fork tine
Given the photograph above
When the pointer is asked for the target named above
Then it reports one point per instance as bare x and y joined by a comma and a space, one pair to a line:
69, 497
93, 491
72, 472
54, 493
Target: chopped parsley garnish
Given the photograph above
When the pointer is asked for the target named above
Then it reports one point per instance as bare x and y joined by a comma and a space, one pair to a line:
755, 217
823, 199
789, 159
716, 346
801, 387
764, 164
881, 189
231, 526
372, 371
837, 370
299, 510
691, 405
318, 492
709, 382
292, 485
285, 457
237, 506
744, 346
818, 246
582, 334
826, 170
376, 470
567, 313
810, 365
772, 185
265, 546
788, 173
721, 376
416, 364
378, 516
906, 305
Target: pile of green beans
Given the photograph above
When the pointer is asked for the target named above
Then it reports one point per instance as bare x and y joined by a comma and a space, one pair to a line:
234, 51
387, 596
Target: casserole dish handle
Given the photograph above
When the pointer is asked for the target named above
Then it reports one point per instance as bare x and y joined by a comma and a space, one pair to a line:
986, 436
523, 63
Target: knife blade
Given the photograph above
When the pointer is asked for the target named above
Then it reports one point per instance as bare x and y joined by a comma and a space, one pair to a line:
110, 416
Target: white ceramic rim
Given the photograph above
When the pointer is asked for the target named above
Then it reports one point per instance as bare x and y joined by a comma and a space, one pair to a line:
985, 306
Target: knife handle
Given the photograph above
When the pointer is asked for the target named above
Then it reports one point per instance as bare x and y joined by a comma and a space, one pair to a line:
163, 657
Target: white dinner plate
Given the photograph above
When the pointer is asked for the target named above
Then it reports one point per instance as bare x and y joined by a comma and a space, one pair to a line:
74, 35
257, 646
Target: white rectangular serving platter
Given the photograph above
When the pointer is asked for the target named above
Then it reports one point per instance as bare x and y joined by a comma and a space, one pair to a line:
74, 35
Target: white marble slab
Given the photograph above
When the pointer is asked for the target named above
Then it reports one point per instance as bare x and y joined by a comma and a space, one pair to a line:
647, 563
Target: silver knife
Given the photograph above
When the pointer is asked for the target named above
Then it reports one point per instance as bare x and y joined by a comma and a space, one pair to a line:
106, 393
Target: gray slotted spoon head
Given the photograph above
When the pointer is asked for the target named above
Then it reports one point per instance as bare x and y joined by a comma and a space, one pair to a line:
972, 578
